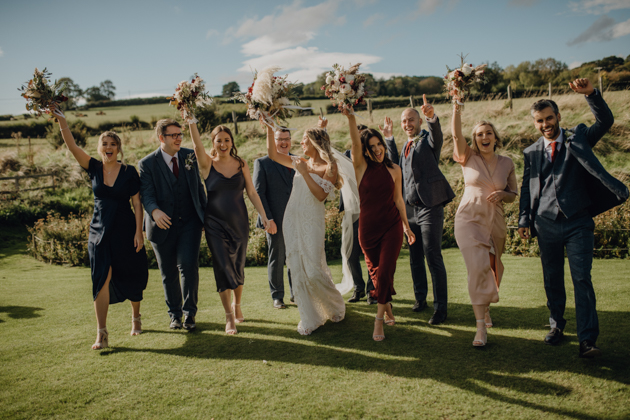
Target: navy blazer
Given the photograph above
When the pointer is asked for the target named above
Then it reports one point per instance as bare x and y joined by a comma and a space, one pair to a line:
274, 183
431, 184
156, 190
604, 191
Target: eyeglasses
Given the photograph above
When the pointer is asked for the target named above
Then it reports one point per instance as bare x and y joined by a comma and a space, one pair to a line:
175, 136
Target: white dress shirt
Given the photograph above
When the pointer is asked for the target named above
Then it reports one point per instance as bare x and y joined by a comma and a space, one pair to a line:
559, 141
168, 159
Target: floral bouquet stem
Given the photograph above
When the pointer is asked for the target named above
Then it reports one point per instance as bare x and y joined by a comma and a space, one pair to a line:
41, 94
189, 96
459, 81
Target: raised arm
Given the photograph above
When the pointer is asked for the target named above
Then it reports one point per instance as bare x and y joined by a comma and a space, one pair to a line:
436, 138
358, 159
604, 118
78, 153
253, 196
460, 147
282, 159
388, 135
204, 161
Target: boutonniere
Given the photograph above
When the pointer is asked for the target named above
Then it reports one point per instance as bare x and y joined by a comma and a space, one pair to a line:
415, 140
188, 162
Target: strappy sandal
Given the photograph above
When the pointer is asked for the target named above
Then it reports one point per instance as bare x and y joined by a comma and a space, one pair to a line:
482, 342
133, 330
378, 337
238, 320
390, 321
104, 336
487, 319
229, 331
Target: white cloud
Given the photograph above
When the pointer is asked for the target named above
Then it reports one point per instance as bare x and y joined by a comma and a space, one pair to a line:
293, 26
426, 7
305, 64
372, 20
1, 52
575, 65
603, 29
211, 33
598, 7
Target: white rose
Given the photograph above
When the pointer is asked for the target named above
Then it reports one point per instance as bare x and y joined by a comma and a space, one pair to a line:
337, 83
345, 88
467, 69
349, 78
329, 79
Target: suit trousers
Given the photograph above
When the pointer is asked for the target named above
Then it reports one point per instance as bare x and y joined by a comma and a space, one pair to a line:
427, 224
179, 255
354, 263
277, 255
576, 234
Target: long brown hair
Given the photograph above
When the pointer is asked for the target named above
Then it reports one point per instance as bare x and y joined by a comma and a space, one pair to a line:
366, 135
233, 152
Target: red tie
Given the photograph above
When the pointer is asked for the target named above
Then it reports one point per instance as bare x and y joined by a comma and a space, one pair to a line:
553, 151
175, 167
408, 148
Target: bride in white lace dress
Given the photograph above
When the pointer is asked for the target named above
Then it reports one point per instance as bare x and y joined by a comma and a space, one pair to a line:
316, 296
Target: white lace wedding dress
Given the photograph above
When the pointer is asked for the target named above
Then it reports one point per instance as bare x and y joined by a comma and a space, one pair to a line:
316, 296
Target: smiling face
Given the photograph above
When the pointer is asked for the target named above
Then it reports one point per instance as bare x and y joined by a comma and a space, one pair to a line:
307, 146
376, 149
547, 122
171, 141
485, 139
410, 122
108, 149
283, 142
222, 143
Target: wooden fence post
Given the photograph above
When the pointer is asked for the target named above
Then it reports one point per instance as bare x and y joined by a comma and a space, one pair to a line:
234, 118
321, 112
411, 102
510, 97
369, 107
549, 90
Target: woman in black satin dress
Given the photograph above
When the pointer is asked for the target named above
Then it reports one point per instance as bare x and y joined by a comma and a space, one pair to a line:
226, 220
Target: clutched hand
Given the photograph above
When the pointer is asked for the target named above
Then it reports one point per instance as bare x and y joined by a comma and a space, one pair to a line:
411, 238
300, 164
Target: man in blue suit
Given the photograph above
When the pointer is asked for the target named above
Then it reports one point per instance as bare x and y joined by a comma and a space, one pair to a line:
274, 183
564, 186
426, 192
174, 202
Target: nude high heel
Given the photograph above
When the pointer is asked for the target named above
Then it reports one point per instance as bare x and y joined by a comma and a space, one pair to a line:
378, 337
482, 342
487, 319
104, 336
229, 331
390, 321
133, 330
238, 320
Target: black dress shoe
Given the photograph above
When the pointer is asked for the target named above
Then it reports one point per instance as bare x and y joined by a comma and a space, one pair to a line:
554, 337
292, 300
176, 323
438, 317
371, 300
419, 306
356, 296
189, 323
588, 349
278, 304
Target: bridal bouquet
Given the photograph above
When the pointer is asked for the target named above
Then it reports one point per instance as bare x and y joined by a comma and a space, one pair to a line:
269, 96
345, 88
459, 81
40, 93
189, 96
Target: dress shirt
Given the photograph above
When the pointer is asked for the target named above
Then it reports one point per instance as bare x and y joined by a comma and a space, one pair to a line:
558, 141
168, 159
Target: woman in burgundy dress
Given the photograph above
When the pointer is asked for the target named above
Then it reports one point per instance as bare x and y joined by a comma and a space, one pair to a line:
382, 210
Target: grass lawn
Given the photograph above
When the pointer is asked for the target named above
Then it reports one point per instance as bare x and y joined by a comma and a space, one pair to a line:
268, 370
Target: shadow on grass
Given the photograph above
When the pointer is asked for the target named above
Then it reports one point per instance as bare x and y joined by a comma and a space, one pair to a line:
415, 349
20, 312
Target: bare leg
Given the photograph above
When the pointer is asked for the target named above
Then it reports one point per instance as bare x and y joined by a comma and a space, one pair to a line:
101, 305
136, 324
230, 322
238, 314
379, 334
480, 313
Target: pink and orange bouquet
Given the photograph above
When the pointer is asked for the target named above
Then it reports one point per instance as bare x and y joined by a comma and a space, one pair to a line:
345, 88
459, 81
189, 96
40, 93
269, 96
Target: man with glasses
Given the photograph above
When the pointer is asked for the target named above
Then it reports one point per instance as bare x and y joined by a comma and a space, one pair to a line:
174, 202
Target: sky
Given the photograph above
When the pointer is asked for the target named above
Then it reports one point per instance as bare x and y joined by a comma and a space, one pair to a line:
146, 47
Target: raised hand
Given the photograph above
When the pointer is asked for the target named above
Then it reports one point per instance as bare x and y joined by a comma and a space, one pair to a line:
427, 108
348, 111
322, 122
582, 86
388, 127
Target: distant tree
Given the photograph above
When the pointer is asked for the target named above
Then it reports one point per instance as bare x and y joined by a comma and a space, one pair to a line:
494, 79
93, 94
609, 63
73, 92
431, 85
108, 89
229, 89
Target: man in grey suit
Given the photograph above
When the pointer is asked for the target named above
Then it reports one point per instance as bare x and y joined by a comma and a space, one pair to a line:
174, 202
564, 186
426, 192
274, 183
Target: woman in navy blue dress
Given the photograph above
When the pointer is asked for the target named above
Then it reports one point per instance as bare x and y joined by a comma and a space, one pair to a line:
116, 243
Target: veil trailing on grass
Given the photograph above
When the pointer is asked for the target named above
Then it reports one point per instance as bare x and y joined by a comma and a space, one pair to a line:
351, 205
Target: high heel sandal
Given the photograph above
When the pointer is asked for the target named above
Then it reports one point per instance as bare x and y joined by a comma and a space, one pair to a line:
104, 336
229, 331
390, 321
238, 320
378, 337
138, 320
482, 342
487, 318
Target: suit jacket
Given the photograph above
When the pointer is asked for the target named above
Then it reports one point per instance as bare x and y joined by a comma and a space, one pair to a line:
274, 183
603, 190
430, 183
156, 190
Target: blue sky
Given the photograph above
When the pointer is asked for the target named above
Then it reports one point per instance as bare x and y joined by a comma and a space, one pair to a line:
147, 47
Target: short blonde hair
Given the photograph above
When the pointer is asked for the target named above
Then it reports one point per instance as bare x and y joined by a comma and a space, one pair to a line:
498, 142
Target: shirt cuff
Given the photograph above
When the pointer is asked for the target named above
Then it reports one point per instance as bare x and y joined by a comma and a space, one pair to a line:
431, 120
389, 138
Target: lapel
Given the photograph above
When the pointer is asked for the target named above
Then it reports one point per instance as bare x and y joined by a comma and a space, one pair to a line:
164, 169
538, 158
